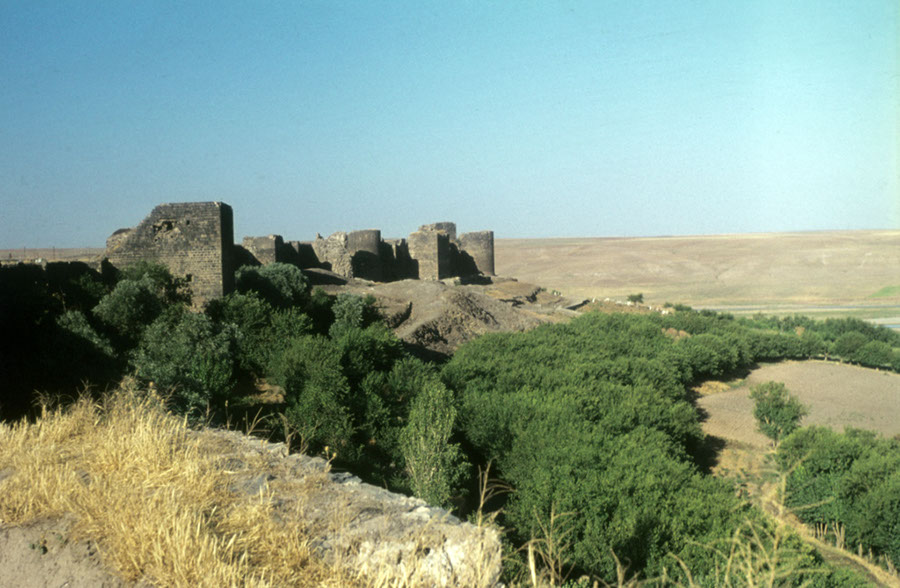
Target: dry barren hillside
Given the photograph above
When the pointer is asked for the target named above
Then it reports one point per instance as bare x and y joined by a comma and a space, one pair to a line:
774, 271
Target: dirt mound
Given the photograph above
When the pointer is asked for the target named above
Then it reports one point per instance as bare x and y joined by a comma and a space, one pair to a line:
441, 316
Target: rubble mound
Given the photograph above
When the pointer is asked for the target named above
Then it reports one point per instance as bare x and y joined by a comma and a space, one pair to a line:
439, 316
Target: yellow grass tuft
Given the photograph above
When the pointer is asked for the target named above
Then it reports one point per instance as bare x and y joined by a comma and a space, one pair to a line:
146, 488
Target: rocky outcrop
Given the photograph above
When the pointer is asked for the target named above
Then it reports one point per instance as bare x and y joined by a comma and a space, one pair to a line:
388, 538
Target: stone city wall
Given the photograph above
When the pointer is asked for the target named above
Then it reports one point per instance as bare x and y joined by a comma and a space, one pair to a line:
194, 240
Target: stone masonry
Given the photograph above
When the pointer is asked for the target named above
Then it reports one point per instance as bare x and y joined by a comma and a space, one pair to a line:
430, 251
479, 247
195, 240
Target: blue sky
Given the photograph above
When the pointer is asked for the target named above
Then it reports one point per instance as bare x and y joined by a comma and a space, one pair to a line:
534, 119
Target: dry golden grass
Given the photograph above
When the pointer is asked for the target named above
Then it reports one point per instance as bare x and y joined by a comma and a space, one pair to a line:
159, 500
140, 483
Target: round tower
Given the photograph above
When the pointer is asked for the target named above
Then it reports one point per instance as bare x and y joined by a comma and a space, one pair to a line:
479, 245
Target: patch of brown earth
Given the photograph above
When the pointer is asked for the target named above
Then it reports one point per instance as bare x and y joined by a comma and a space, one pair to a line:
838, 396
442, 315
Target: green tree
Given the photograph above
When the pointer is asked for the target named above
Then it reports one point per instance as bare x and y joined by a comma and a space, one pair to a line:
129, 309
186, 354
317, 394
434, 464
777, 412
875, 354
848, 344
352, 311
280, 284
172, 290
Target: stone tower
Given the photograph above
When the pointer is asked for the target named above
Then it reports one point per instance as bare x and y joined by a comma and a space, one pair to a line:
195, 240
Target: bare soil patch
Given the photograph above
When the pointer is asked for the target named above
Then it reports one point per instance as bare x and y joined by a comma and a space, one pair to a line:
838, 396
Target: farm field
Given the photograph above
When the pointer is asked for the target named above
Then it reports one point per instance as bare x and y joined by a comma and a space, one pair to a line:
838, 396
820, 274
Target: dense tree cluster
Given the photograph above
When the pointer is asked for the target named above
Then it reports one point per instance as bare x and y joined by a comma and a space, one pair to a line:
846, 483
592, 419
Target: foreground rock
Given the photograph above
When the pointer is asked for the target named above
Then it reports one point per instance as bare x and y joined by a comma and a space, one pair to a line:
369, 535
387, 538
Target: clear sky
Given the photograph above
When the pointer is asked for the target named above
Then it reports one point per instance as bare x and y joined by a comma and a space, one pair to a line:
534, 119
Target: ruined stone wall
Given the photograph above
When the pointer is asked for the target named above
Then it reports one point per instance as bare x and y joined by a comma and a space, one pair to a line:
304, 254
478, 247
365, 249
333, 253
433, 252
444, 227
266, 250
193, 239
430, 252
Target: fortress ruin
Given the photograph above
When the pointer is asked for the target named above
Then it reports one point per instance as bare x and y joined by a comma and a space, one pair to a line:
195, 240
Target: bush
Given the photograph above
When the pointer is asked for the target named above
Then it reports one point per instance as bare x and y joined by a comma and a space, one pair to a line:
187, 355
848, 344
172, 290
129, 309
777, 412
77, 324
875, 354
317, 394
849, 480
280, 284
433, 464
264, 331
352, 311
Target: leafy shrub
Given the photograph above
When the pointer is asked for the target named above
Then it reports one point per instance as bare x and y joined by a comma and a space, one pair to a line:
352, 311
281, 285
363, 351
849, 343
190, 357
317, 395
251, 316
129, 309
875, 354
387, 398
777, 412
171, 289
849, 480
434, 464
77, 324
264, 332
589, 418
